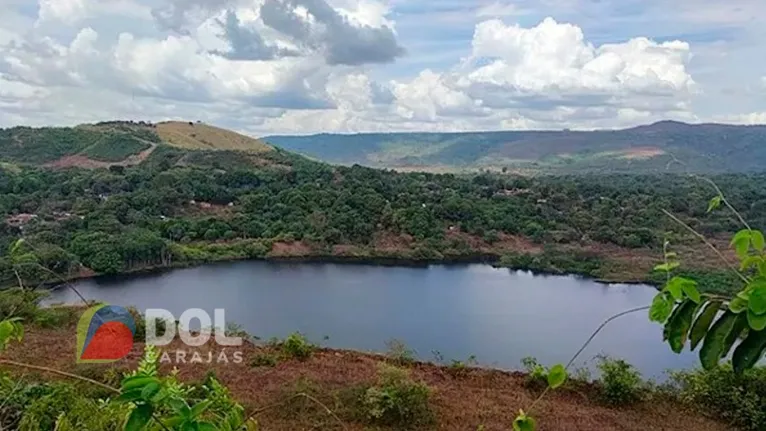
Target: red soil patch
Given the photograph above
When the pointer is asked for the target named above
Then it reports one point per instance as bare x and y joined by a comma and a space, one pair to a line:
291, 249
642, 153
480, 396
392, 242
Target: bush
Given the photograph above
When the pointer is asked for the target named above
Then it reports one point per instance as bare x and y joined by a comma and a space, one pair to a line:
264, 360
399, 353
396, 400
297, 346
537, 374
22, 303
620, 382
738, 399
459, 368
56, 317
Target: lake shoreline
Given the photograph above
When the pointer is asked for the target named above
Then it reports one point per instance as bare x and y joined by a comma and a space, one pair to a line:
382, 261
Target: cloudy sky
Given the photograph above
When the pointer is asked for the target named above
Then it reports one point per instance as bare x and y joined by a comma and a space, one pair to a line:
305, 66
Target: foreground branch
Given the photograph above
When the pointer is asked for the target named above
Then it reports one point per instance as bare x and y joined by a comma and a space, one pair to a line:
711, 246
58, 372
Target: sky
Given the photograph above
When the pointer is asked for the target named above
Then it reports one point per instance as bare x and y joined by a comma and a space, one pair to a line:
307, 66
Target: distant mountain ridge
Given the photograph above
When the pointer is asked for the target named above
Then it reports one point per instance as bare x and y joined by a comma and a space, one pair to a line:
660, 147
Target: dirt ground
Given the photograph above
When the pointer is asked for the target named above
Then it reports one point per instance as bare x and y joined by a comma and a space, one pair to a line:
462, 403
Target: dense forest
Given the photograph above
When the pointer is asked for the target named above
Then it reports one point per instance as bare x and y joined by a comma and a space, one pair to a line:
180, 206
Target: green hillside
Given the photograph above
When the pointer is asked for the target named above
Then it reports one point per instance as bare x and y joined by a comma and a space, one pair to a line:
660, 147
115, 143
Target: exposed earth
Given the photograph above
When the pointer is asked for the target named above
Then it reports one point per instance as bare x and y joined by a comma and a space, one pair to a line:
461, 402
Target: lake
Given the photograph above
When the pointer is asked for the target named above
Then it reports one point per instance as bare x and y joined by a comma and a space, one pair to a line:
498, 315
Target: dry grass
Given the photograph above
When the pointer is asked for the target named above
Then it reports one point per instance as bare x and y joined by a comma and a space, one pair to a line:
198, 136
642, 153
462, 403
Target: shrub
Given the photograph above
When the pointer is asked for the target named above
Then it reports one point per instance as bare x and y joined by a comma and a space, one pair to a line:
399, 353
22, 303
396, 400
264, 360
56, 317
620, 382
459, 368
738, 399
297, 346
537, 374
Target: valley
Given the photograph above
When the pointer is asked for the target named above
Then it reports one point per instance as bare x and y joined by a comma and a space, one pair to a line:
663, 147
115, 208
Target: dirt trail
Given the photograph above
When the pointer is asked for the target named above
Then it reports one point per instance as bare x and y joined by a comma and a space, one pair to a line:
481, 396
80, 161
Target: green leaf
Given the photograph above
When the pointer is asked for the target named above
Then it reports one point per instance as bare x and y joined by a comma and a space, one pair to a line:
206, 426
714, 203
6, 331
750, 261
739, 326
137, 382
757, 301
756, 321
741, 242
667, 267
677, 286
712, 346
758, 240
16, 246
556, 376
524, 423
738, 305
690, 289
702, 324
173, 422
661, 308
150, 390
679, 325
200, 408
675, 290
747, 354
131, 395
139, 418
180, 406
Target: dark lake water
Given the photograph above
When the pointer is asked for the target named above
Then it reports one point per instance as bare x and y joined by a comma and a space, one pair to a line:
500, 316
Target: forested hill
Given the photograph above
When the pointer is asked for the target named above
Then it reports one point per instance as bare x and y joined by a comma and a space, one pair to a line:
152, 197
661, 147
124, 143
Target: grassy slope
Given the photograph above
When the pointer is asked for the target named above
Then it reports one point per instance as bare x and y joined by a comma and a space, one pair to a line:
652, 148
461, 402
193, 136
117, 142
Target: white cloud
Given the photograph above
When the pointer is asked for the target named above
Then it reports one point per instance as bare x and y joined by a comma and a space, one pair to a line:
751, 118
269, 66
555, 57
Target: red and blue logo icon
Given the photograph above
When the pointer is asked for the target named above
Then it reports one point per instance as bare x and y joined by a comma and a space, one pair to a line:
105, 334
